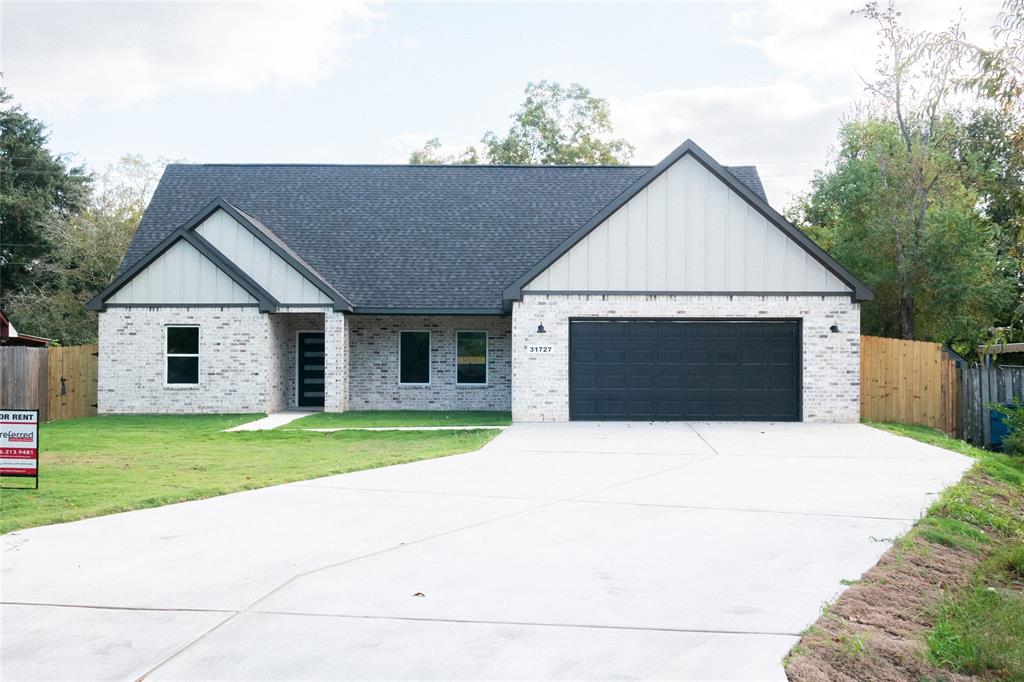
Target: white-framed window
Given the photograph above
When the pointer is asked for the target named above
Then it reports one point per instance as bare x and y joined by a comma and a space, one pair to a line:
471, 358
414, 357
182, 354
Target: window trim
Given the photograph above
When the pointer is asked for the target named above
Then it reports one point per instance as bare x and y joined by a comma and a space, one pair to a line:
197, 355
487, 358
430, 357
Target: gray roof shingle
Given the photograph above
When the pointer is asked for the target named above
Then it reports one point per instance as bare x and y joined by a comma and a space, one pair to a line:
445, 237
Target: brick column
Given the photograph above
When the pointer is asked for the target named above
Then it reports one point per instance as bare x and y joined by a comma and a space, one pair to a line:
335, 362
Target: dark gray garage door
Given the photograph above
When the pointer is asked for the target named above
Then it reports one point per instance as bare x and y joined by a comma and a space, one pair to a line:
684, 370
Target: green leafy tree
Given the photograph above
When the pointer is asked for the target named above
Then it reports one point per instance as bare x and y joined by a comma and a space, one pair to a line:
901, 204
86, 251
937, 275
555, 124
35, 187
995, 143
431, 155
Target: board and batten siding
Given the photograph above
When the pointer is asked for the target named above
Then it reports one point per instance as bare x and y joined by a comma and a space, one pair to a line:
687, 231
181, 275
257, 260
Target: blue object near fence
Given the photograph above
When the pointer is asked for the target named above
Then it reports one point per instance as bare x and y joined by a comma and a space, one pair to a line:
999, 428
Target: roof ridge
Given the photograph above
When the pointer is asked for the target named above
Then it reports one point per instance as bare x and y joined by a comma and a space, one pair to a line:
411, 165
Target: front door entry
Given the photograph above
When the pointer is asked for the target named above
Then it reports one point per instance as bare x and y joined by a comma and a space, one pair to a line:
310, 360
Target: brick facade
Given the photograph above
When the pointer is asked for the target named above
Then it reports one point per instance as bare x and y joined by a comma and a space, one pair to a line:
233, 361
831, 361
247, 358
373, 364
281, 371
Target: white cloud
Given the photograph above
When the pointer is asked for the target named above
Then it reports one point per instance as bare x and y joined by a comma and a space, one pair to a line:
61, 54
783, 128
819, 39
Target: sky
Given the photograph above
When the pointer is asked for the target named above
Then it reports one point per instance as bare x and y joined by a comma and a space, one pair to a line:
763, 83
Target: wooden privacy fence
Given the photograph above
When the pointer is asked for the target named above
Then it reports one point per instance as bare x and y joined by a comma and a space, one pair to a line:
23, 379
914, 382
72, 381
60, 381
982, 386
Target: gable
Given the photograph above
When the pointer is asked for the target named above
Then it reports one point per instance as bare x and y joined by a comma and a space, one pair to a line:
181, 275
259, 261
688, 231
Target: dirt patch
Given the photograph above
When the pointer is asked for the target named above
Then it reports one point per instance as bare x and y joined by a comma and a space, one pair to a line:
876, 630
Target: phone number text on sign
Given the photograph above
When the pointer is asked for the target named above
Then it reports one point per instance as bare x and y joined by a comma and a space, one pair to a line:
19, 443
538, 349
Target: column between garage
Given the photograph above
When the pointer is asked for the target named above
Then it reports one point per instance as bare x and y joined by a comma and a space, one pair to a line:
831, 360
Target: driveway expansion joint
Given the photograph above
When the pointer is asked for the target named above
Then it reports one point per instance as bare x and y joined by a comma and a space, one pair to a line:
526, 623
249, 608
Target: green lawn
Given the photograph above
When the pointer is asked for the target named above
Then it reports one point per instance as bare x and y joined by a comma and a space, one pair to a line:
102, 465
979, 630
365, 418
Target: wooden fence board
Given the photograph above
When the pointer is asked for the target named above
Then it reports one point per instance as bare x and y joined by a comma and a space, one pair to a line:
981, 387
23, 379
73, 381
913, 382
31, 378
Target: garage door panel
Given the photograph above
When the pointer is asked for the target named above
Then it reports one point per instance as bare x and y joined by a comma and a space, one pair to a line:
685, 369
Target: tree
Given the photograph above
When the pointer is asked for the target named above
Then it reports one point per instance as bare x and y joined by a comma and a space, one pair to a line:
998, 139
999, 73
903, 204
946, 260
555, 124
86, 251
35, 186
431, 155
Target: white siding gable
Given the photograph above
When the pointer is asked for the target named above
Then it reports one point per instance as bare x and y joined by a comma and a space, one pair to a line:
687, 231
257, 260
181, 275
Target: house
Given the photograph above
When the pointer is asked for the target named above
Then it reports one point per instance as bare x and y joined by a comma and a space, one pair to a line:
9, 336
559, 292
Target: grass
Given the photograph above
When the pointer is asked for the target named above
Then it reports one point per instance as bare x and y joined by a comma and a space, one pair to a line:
979, 629
948, 597
370, 418
103, 465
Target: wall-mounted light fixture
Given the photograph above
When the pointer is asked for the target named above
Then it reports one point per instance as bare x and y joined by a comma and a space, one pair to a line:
834, 329
541, 329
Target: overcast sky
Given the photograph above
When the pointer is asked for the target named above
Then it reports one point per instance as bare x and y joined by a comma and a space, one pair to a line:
330, 82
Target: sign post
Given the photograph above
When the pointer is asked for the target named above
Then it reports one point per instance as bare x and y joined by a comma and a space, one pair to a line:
19, 443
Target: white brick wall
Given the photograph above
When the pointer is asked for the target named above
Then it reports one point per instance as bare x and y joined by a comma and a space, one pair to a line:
281, 359
336, 362
373, 364
831, 362
233, 352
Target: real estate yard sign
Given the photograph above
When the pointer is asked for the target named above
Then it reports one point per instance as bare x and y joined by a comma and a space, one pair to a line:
19, 443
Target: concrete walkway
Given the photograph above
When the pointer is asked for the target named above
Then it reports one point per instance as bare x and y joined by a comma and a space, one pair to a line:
684, 551
272, 421
410, 428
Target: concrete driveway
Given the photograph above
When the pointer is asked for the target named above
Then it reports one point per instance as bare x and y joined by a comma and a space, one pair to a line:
694, 551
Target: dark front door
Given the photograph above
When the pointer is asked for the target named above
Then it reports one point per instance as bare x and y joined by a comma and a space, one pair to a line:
310, 358
724, 370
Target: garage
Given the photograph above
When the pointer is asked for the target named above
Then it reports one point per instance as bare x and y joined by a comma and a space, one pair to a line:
681, 369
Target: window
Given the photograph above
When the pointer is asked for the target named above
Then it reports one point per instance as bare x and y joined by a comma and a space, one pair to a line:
471, 358
183, 355
414, 358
